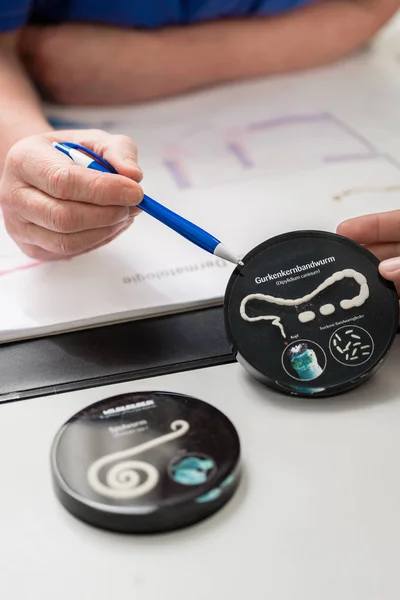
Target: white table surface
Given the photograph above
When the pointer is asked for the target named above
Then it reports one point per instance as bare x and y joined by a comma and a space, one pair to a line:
317, 516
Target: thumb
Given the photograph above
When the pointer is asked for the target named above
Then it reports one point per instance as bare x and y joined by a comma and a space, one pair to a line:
390, 269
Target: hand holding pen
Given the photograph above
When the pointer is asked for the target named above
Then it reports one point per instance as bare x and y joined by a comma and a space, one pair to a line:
91, 160
56, 209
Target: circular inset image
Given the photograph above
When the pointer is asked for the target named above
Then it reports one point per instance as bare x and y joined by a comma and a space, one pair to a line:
304, 360
193, 469
351, 346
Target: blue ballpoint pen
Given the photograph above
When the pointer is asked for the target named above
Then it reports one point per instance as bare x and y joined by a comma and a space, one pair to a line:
87, 158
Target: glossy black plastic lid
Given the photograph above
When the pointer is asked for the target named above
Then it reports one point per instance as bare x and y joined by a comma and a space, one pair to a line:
309, 313
146, 462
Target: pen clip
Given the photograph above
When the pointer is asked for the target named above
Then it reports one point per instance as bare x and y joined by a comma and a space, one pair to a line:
95, 156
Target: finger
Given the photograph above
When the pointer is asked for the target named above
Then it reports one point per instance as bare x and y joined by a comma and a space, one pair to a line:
119, 150
390, 269
38, 253
60, 216
65, 244
40, 165
385, 251
373, 229
113, 236
43, 255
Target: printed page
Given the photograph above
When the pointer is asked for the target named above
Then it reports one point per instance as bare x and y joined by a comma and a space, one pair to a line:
246, 162
129, 279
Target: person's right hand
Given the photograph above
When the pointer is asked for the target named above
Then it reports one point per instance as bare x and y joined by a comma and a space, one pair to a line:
380, 233
56, 209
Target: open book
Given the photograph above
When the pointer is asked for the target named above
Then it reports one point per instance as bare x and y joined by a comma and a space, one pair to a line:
245, 162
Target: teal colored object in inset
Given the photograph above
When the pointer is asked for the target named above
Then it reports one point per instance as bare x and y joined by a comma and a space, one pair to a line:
305, 362
216, 492
192, 470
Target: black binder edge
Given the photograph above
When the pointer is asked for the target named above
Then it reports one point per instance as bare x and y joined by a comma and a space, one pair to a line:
114, 354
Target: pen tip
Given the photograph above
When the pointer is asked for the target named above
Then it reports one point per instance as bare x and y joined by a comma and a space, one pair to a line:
223, 252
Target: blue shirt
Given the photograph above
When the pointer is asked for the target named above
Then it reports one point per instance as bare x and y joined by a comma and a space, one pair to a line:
134, 13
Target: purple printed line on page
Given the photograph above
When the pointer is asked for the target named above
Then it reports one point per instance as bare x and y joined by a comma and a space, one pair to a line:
178, 173
354, 134
240, 153
348, 157
288, 120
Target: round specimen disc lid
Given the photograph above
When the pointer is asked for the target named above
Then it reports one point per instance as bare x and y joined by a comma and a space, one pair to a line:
309, 313
146, 462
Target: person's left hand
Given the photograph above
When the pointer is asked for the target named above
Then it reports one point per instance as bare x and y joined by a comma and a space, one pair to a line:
380, 233
62, 59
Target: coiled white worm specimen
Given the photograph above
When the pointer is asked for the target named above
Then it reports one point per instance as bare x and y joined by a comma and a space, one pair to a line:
123, 479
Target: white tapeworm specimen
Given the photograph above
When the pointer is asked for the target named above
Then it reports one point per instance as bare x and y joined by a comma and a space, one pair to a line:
275, 321
327, 309
307, 316
346, 304
123, 480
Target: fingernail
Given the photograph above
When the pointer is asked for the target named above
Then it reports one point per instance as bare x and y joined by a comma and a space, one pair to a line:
132, 163
131, 195
391, 265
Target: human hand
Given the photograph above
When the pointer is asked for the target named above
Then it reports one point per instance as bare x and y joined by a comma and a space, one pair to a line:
68, 60
380, 233
54, 208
